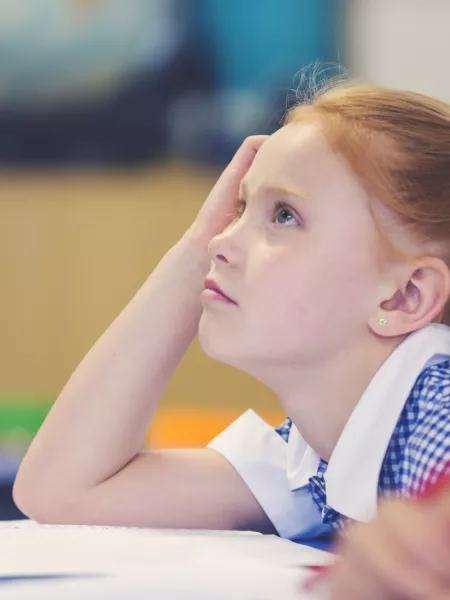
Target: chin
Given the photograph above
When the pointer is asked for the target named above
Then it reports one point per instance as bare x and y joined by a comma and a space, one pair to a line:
213, 345
228, 352
226, 343
217, 344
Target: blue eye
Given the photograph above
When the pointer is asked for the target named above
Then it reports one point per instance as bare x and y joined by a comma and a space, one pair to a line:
285, 214
281, 210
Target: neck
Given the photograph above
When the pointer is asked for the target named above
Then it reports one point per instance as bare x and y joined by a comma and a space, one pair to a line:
320, 398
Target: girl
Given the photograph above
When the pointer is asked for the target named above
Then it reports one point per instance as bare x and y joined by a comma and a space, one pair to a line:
329, 283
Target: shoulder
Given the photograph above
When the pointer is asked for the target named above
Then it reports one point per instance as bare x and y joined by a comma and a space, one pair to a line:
427, 451
259, 453
433, 384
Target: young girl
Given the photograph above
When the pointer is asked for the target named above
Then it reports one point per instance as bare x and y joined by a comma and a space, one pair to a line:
319, 264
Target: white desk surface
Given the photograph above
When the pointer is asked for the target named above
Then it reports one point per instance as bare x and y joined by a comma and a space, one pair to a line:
71, 562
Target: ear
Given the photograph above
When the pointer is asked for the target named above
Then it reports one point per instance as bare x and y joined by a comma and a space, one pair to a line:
418, 297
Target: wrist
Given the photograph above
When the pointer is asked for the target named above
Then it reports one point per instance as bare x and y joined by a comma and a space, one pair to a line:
192, 249
198, 236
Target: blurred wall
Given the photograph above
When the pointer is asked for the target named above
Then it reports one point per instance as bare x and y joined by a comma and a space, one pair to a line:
400, 43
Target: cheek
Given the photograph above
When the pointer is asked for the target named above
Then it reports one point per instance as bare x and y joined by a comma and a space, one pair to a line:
288, 293
278, 293
342, 289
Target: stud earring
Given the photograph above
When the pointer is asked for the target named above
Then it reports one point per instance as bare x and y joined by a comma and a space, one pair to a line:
382, 322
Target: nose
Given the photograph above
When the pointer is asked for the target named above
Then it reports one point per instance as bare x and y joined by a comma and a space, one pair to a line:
224, 249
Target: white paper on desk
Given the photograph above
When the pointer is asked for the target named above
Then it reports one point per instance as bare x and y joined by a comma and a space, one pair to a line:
150, 563
247, 585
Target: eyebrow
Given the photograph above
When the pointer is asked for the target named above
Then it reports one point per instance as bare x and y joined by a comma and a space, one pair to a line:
300, 194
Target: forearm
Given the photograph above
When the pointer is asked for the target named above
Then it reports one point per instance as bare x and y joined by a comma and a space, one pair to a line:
99, 422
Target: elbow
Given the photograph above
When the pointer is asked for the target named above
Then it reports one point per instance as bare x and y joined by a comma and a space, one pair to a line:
38, 502
29, 501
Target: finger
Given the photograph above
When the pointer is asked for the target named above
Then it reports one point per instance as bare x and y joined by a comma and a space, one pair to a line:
388, 568
346, 583
351, 578
444, 595
243, 159
220, 206
423, 535
254, 142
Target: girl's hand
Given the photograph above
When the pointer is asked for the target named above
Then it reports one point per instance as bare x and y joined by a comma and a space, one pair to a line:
218, 210
404, 555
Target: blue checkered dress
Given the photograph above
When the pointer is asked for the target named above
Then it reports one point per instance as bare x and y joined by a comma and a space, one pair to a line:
419, 449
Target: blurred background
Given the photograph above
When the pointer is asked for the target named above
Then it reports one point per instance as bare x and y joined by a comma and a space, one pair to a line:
115, 120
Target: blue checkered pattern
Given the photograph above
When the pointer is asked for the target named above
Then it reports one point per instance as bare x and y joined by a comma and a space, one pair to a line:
419, 449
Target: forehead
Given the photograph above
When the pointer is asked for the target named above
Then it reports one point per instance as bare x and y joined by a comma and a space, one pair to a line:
298, 157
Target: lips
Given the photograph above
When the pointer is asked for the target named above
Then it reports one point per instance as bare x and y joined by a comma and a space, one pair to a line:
212, 285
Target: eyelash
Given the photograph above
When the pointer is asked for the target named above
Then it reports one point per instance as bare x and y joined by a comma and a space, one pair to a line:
241, 205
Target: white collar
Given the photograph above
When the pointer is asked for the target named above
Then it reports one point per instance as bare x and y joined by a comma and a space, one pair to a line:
353, 470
